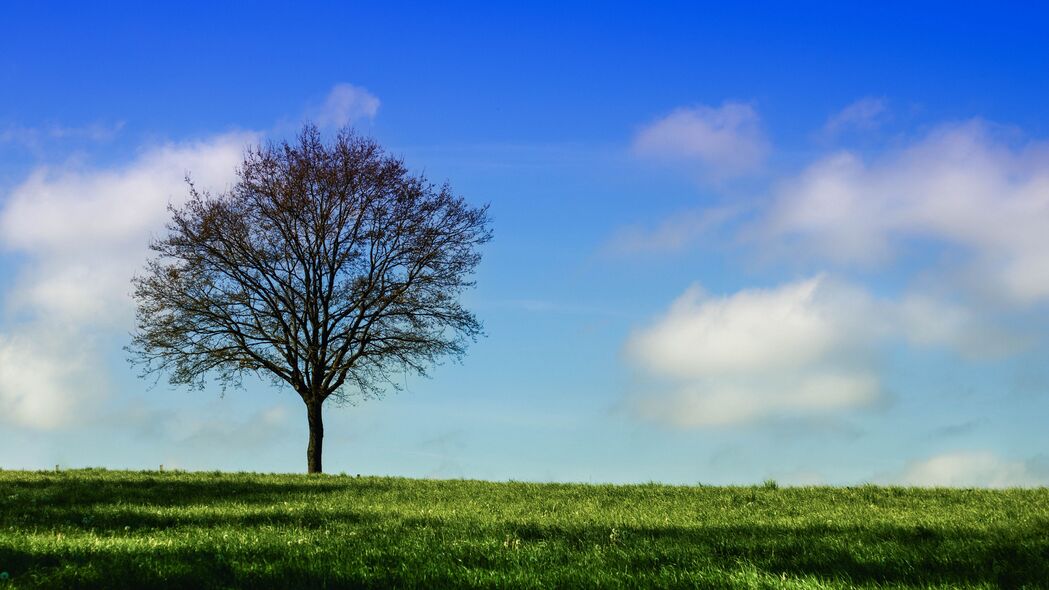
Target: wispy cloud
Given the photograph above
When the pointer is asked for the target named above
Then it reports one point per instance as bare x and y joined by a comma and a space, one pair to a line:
719, 142
34, 138
863, 115
958, 429
543, 306
346, 104
672, 235
973, 469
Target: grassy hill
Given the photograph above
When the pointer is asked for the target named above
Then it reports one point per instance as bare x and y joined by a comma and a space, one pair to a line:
95, 528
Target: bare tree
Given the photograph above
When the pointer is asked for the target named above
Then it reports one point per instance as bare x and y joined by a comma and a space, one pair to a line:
328, 267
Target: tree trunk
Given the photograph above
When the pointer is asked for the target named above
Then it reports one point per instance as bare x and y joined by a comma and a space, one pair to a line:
313, 451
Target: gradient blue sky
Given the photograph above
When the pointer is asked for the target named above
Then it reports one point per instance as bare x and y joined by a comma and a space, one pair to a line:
731, 243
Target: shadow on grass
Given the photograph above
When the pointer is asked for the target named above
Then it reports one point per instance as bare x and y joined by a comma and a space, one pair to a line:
166, 568
139, 521
397, 556
857, 554
392, 549
85, 491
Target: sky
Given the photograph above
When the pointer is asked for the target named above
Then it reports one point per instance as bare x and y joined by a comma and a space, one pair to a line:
732, 244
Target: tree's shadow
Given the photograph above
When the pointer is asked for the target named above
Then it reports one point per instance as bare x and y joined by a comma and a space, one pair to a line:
84, 492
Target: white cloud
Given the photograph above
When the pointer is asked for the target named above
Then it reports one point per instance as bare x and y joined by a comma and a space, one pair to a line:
346, 104
769, 329
974, 196
724, 142
44, 382
960, 186
82, 234
86, 231
804, 348
56, 210
673, 235
972, 469
797, 349
864, 114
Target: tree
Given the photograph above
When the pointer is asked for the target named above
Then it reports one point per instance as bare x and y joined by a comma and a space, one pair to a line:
326, 267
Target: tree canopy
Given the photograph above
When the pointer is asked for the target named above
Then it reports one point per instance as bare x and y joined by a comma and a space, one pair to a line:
328, 267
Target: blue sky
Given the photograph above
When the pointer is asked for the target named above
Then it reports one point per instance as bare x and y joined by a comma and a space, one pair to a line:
731, 244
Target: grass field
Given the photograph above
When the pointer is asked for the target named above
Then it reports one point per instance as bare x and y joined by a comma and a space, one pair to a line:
95, 528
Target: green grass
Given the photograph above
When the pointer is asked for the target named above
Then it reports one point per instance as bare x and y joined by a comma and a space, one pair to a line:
95, 528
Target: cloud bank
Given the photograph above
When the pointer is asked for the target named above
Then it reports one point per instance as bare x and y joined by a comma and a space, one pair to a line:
974, 195
78, 234
81, 234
